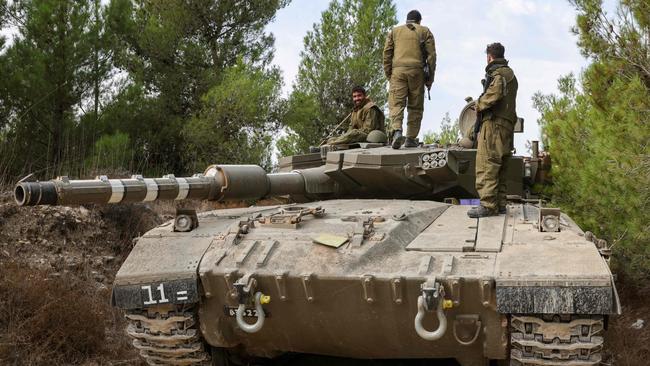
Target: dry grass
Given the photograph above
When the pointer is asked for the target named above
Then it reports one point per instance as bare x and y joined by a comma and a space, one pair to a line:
56, 320
629, 346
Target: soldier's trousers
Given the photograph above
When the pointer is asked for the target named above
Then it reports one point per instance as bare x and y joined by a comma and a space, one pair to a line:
350, 137
406, 92
494, 150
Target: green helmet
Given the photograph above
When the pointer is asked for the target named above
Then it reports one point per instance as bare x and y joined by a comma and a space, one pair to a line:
377, 136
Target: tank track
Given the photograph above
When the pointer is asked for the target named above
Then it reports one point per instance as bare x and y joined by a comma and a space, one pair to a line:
167, 336
556, 340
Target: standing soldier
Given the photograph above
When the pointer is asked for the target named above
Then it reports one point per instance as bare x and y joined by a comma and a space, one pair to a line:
409, 65
365, 118
496, 110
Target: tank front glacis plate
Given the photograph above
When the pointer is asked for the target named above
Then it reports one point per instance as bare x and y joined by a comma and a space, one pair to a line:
333, 301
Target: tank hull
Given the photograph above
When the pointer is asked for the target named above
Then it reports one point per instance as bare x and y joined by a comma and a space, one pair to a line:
360, 299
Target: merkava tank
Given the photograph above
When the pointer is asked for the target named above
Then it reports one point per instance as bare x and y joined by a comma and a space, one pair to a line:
375, 259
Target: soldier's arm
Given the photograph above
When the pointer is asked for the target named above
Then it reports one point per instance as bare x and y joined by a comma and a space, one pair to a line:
430, 44
389, 46
492, 95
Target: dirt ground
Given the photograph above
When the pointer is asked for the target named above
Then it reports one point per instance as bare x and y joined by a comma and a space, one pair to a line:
57, 265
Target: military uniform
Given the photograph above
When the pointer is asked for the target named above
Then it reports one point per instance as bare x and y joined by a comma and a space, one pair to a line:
365, 118
404, 69
497, 106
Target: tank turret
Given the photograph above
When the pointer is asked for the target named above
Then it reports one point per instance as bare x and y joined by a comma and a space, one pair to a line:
426, 172
362, 170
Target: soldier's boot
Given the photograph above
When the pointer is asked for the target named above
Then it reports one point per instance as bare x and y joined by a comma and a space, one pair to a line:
398, 139
502, 210
411, 142
481, 211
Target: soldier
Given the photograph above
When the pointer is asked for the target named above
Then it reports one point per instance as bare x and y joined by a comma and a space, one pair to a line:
496, 109
407, 47
365, 118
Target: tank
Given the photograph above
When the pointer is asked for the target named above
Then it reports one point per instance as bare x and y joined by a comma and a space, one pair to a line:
374, 258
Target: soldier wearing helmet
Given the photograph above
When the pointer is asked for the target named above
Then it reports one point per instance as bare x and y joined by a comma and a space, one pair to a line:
365, 118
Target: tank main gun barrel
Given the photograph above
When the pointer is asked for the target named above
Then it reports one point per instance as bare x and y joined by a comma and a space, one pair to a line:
218, 183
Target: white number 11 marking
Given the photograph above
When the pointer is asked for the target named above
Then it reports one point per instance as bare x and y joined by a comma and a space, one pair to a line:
151, 301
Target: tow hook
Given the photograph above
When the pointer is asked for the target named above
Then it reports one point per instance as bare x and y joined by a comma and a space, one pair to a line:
245, 287
432, 299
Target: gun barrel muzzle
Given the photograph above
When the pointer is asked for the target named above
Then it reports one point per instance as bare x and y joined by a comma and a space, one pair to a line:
63, 191
35, 193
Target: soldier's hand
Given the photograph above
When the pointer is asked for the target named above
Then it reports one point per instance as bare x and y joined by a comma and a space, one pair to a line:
429, 83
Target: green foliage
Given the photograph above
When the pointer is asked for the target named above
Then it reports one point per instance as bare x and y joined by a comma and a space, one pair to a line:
449, 132
3, 19
176, 51
302, 114
111, 153
598, 136
81, 75
621, 40
56, 61
237, 119
343, 50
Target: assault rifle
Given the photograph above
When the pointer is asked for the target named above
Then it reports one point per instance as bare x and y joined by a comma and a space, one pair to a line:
479, 116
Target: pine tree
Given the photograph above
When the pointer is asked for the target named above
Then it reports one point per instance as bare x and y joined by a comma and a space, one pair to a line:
175, 51
49, 70
597, 131
241, 113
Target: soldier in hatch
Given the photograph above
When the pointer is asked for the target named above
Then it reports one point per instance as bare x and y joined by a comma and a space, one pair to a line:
365, 118
407, 48
496, 110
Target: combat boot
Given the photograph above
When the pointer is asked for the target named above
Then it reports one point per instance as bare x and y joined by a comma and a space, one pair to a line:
398, 139
411, 142
481, 211
502, 210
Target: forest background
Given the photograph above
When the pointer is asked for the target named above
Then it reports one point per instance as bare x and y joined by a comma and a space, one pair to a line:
152, 87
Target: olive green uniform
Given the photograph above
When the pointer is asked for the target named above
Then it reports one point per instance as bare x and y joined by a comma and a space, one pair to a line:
497, 106
365, 118
404, 69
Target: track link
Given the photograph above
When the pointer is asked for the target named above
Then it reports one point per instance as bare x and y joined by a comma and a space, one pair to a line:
554, 340
166, 336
